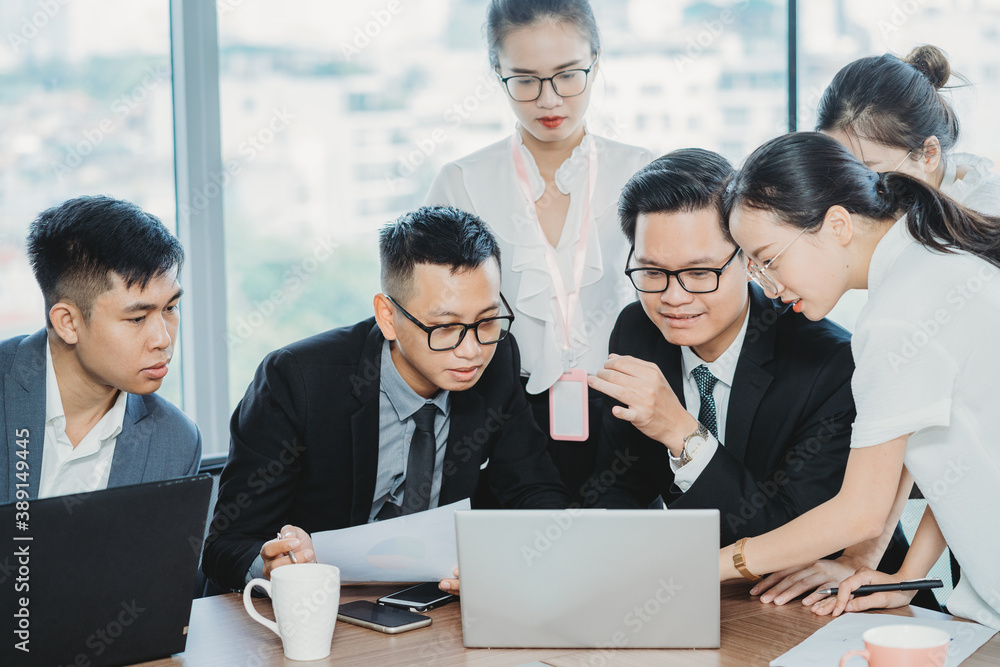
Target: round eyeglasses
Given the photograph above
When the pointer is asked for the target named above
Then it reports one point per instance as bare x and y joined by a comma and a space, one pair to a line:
652, 280
758, 273
528, 88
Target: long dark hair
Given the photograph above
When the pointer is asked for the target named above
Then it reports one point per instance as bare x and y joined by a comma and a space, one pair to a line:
799, 176
505, 16
892, 101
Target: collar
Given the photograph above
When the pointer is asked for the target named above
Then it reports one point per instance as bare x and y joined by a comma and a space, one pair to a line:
886, 251
401, 396
724, 368
571, 174
110, 424
950, 175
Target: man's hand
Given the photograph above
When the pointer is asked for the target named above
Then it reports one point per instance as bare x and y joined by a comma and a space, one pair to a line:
651, 404
450, 585
786, 585
845, 602
293, 539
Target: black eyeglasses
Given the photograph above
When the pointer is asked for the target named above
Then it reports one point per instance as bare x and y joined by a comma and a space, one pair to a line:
444, 337
528, 88
696, 281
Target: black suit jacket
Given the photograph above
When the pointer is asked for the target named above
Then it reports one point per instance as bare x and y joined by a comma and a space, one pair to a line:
787, 430
305, 441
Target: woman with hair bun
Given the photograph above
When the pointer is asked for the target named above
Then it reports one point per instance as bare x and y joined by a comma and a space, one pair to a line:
814, 222
891, 115
549, 192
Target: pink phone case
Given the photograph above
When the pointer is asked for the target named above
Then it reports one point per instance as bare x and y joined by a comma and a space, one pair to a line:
577, 375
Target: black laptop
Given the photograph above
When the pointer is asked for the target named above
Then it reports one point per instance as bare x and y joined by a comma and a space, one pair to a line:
103, 578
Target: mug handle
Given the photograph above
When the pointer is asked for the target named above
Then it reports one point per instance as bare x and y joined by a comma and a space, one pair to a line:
852, 654
248, 603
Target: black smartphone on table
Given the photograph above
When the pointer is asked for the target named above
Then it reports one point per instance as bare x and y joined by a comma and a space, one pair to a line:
421, 597
380, 617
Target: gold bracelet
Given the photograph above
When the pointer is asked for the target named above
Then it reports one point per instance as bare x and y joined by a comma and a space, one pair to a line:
740, 562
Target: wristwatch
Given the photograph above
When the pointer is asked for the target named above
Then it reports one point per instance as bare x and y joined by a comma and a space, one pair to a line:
692, 443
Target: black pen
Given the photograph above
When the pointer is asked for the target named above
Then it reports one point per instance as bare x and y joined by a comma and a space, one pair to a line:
911, 585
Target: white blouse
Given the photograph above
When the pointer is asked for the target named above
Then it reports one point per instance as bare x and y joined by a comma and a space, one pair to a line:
485, 183
979, 189
927, 364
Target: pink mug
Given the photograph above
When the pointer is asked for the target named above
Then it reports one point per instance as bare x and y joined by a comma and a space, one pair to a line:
902, 646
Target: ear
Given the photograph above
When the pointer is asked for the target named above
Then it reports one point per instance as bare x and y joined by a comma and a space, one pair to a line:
839, 224
383, 315
931, 157
66, 321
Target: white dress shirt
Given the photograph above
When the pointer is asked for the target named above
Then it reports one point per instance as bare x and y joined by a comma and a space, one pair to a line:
925, 351
485, 183
724, 368
67, 469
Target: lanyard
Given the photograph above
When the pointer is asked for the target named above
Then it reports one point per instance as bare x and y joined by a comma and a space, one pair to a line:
568, 300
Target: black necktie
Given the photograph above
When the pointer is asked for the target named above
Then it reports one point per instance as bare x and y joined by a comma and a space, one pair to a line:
420, 462
706, 383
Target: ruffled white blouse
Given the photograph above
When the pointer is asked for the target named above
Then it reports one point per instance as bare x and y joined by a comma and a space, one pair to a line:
485, 183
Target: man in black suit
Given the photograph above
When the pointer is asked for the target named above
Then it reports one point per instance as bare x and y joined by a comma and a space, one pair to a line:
417, 407
725, 399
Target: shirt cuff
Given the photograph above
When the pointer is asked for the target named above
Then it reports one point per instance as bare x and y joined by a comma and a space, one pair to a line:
256, 570
686, 475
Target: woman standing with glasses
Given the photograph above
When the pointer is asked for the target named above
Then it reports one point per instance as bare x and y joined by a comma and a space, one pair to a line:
925, 353
549, 192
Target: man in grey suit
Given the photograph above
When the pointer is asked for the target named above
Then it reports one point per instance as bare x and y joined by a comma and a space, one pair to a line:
76, 398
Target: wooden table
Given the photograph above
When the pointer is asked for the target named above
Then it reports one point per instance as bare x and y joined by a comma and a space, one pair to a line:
222, 634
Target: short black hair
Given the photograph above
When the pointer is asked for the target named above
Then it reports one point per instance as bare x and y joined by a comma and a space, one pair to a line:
442, 235
688, 179
76, 246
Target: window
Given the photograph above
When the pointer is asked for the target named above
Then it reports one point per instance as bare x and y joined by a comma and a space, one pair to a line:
85, 108
337, 116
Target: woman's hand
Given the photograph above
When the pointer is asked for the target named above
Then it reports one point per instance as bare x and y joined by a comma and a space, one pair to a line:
786, 585
846, 602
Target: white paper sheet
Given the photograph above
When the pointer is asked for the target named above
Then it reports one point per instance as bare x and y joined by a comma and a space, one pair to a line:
416, 547
843, 634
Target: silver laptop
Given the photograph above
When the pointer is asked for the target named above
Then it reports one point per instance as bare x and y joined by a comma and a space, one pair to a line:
589, 578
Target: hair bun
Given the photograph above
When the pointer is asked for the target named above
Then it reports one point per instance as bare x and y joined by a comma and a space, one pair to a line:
932, 63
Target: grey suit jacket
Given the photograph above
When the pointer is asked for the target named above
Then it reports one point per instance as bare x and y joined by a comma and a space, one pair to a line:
157, 440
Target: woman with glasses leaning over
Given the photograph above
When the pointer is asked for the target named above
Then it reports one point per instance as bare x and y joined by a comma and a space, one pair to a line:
815, 222
550, 192
890, 114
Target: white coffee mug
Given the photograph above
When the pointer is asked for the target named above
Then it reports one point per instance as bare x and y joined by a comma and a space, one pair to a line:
305, 598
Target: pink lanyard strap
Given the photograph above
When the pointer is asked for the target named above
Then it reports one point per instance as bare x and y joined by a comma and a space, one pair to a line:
568, 300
